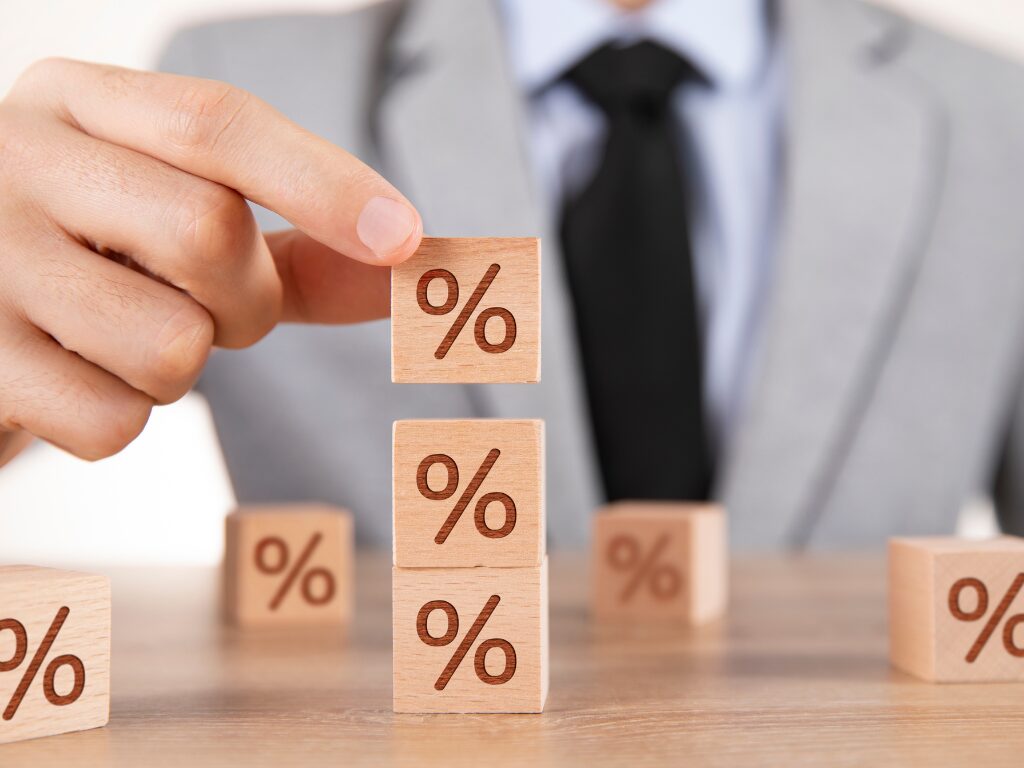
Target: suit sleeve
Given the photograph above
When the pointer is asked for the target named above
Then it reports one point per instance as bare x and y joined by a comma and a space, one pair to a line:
1008, 491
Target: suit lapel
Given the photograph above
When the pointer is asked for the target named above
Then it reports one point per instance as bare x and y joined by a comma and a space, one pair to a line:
451, 135
863, 154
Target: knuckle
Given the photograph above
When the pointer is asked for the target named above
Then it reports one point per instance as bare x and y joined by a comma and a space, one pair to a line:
49, 69
181, 350
260, 309
215, 226
91, 417
255, 328
202, 113
123, 422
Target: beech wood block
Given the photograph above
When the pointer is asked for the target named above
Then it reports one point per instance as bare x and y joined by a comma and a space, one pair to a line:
467, 310
468, 492
288, 565
956, 608
660, 561
54, 652
470, 639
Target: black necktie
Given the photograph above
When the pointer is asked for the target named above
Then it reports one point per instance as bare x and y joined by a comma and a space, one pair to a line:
627, 251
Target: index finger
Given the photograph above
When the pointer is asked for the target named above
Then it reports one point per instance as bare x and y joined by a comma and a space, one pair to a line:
227, 135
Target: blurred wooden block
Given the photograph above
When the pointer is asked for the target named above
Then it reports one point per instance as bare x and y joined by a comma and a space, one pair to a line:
54, 652
956, 612
470, 639
468, 492
467, 310
289, 565
660, 561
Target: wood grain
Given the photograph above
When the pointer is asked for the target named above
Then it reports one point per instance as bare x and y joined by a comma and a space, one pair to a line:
288, 564
427, 531
445, 275
512, 604
797, 674
65, 688
930, 580
660, 561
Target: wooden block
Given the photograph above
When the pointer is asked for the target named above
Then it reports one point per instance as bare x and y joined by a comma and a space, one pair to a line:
468, 492
467, 310
289, 565
54, 652
660, 561
956, 608
470, 639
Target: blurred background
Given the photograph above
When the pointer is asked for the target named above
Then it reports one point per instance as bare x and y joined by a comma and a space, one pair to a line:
163, 500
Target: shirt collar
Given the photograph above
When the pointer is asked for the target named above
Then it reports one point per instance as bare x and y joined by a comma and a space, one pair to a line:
727, 40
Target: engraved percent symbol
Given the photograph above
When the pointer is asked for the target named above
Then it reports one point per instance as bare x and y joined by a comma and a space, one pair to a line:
480, 326
452, 485
280, 564
480, 657
982, 608
662, 580
49, 676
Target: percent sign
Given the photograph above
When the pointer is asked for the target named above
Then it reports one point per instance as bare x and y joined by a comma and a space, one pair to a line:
279, 562
471, 636
452, 298
982, 608
663, 580
452, 485
49, 675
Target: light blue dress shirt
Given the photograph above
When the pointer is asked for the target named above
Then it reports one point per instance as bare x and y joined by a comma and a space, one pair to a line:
730, 138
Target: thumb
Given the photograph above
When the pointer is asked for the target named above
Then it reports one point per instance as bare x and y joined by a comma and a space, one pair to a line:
324, 286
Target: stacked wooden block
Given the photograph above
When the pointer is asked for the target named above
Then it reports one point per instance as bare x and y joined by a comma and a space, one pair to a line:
470, 612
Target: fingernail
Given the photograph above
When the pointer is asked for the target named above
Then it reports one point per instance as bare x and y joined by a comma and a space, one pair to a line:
384, 225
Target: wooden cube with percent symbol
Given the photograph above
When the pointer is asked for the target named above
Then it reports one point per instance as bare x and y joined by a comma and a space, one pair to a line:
467, 310
54, 652
289, 565
956, 612
470, 639
468, 492
661, 561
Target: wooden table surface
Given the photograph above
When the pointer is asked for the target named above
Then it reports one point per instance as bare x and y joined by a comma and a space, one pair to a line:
796, 675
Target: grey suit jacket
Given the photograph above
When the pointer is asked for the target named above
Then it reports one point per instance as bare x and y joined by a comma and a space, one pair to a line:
888, 388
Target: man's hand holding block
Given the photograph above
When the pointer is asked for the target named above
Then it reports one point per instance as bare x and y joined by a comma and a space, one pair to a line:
662, 561
467, 310
54, 652
289, 565
956, 608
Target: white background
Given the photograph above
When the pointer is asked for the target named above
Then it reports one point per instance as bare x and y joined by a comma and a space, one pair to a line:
163, 499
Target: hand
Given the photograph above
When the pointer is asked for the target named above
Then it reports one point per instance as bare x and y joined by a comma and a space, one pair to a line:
127, 247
